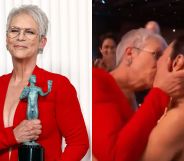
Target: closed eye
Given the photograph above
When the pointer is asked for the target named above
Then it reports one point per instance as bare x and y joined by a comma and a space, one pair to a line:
14, 30
30, 32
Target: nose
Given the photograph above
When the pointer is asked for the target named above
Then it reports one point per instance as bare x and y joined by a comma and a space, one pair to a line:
21, 35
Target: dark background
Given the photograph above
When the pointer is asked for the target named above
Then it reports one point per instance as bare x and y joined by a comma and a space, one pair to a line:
120, 16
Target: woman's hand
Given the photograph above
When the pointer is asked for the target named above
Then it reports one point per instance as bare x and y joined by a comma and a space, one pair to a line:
27, 130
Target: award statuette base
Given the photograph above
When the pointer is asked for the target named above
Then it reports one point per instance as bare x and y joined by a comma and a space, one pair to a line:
30, 152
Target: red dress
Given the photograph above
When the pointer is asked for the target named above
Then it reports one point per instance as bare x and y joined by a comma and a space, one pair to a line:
119, 133
60, 116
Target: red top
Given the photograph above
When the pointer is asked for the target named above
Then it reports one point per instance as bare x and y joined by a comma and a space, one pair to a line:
60, 116
120, 134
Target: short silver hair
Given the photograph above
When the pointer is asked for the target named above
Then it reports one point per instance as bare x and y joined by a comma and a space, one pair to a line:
136, 38
35, 12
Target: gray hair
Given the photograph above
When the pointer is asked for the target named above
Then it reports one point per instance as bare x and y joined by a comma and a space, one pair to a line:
37, 14
136, 38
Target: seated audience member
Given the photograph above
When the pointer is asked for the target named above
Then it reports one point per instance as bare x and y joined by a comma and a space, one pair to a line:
107, 48
153, 26
120, 133
166, 141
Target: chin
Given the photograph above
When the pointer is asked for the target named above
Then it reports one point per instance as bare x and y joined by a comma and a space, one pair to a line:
21, 55
144, 86
149, 85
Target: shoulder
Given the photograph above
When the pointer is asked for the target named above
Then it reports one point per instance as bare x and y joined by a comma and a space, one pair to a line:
105, 86
100, 73
170, 130
174, 118
59, 81
47, 75
5, 77
166, 139
102, 79
4, 80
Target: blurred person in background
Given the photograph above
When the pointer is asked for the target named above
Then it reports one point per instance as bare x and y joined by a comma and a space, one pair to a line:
153, 26
107, 56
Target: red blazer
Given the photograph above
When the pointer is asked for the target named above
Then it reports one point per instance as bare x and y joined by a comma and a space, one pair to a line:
60, 116
120, 134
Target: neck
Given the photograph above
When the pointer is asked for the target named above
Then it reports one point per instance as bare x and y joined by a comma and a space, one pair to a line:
123, 81
22, 70
179, 102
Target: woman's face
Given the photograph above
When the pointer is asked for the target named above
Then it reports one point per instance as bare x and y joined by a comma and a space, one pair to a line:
23, 37
108, 51
144, 64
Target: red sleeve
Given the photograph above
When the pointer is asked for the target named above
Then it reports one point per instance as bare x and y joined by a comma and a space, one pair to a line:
7, 138
70, 122
114, 137
133, 137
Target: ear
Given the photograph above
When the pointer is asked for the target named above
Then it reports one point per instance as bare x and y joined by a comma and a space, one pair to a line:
100, 49
128, 56
7, 43
103, 53
43, 42
178, 63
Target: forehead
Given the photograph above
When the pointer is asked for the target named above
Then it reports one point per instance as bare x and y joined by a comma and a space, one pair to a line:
153, 44
108, 41
23, 20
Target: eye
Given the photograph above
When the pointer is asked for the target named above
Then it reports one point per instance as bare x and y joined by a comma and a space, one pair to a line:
30, 32
158, 55
14, 30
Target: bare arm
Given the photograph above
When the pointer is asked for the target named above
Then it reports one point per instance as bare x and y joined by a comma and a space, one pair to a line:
166, 139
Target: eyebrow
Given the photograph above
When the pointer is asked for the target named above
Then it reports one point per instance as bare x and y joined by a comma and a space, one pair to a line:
21, 28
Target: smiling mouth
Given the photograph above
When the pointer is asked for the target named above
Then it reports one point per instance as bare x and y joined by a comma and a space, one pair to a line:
20, 46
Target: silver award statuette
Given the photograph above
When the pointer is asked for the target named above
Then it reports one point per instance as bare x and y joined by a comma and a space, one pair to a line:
32, 151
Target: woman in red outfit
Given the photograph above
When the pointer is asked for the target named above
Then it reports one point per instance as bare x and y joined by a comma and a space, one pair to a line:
59, 111
120, 133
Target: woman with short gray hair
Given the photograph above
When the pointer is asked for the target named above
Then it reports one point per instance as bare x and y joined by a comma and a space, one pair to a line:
59, 110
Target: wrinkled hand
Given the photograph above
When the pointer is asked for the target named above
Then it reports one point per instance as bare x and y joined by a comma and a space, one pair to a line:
27, 130
170, 82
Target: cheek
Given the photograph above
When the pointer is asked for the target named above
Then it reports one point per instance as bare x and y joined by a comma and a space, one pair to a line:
148, 62
145, 68
9, 42
103, 52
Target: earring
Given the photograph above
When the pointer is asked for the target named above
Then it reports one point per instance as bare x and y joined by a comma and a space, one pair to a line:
40, 50
129, 62
7, 46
